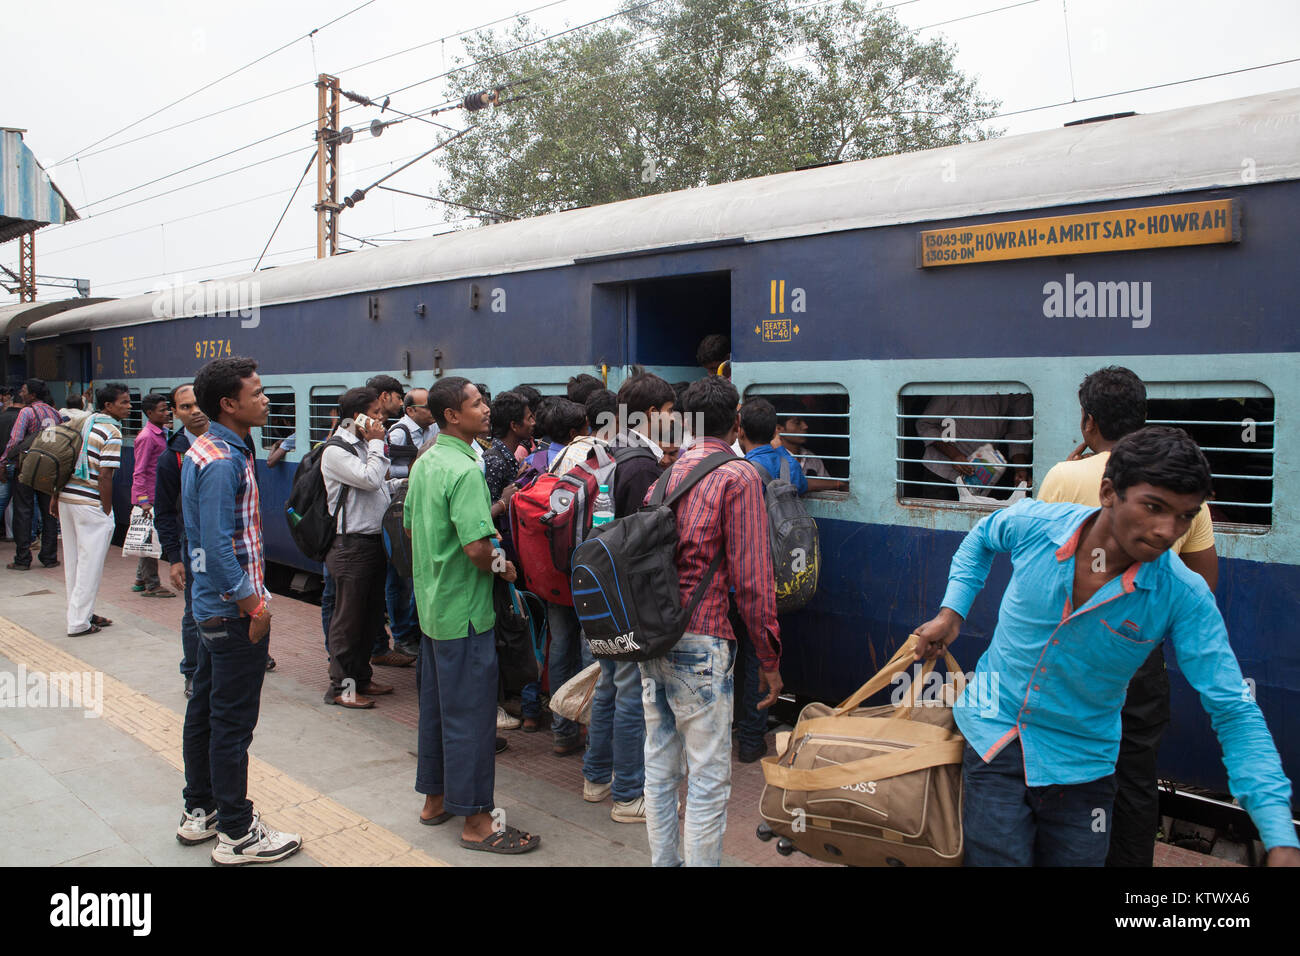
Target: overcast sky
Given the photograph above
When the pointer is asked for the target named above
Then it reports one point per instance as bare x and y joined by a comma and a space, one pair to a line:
75, 72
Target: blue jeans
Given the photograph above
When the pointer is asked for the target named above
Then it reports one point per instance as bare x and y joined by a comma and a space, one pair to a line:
219, 722
616, 737
530, 700
751, 723
457, 686
569, 654
688, 696
189, 630
327, 605
6, 492
1007, 823
402, 619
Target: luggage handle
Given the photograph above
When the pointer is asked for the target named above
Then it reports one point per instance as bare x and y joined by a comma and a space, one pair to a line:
903, 659
868, 768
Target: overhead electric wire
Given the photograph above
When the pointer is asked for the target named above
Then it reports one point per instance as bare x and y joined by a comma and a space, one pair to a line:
490, 212
306, 169
306, 83
208, 86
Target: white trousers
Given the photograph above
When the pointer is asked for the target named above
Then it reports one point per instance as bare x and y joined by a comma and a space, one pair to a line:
87, 533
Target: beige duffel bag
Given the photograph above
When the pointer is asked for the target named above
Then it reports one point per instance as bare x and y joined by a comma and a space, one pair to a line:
872, 786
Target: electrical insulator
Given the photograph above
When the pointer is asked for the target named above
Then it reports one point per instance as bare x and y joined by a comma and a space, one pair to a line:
355, 198
481, 100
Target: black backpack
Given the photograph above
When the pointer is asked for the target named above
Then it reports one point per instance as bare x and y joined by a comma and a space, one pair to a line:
396, 541
311, 524
792, 534
626, 587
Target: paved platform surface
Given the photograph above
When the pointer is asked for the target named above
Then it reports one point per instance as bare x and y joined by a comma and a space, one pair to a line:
104, 791
85, 791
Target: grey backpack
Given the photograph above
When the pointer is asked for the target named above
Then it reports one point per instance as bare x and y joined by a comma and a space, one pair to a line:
792, 535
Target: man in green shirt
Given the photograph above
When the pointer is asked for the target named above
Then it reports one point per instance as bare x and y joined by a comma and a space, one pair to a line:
449, 518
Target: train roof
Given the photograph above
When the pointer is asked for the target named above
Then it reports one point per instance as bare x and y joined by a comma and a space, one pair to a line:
1254, 139
19, 315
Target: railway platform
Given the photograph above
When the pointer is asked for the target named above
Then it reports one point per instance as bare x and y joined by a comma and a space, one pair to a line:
79, 790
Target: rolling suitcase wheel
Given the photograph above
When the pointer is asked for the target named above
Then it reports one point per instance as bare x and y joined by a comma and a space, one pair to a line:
785, 846
764, 832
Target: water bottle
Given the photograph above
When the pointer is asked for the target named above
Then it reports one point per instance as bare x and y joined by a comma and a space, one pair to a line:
604, 512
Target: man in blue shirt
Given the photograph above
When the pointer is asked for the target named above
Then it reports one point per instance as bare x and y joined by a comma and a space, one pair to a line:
1092, 592
757, 429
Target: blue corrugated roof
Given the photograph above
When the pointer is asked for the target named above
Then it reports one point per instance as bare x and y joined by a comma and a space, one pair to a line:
28, 198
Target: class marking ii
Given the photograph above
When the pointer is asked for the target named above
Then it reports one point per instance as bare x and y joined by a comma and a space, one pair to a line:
1147, 227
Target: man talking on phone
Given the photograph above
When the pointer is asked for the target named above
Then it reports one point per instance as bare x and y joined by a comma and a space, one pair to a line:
354, 466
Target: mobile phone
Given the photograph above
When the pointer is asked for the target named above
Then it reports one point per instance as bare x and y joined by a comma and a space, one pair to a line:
363, 422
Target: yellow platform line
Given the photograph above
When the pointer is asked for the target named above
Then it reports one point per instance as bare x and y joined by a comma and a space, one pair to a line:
331, 834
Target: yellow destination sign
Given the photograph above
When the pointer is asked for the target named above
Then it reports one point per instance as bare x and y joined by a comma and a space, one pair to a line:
1147, 227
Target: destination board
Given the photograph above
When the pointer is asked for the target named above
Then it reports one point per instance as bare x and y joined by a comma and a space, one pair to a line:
1147, 227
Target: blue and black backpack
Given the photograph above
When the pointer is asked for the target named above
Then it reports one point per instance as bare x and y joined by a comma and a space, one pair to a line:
626, 589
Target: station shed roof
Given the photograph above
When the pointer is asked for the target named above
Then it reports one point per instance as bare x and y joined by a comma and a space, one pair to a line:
28, 197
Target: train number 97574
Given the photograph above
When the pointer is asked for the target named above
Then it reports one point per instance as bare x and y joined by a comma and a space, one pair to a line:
211, 348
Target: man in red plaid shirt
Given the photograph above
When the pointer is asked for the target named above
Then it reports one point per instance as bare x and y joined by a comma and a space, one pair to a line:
688, 693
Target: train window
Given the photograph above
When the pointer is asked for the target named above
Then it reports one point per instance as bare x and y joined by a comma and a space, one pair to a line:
1233, 422
812, 422
323, 411
133, 422
980, 432
282, 417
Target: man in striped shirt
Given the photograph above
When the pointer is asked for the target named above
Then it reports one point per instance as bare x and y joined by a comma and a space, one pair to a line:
688, 692
85, 507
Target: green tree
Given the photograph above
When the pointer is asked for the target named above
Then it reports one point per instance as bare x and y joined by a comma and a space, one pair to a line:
674, 94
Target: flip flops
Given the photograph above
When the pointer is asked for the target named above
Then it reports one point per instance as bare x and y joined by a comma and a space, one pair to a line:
509, 840
93, 629
101, 621
437, 820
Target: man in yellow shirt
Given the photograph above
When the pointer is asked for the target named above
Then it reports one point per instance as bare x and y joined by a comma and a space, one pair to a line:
1114, 403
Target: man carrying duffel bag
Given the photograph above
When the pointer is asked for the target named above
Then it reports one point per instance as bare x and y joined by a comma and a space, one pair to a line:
1093, 591
872, 786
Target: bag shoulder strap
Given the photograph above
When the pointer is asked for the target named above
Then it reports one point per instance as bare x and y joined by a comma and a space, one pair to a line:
715, 460
342, 509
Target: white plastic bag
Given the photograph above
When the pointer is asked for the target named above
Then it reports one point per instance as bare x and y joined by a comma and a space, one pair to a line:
141, 538
573, 699
966, 496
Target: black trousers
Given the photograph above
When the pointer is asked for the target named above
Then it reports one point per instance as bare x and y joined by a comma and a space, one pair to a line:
358, 565
1136, 817
26, 500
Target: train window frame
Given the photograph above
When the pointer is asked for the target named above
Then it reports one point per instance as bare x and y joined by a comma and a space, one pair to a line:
1219, 432
272, 435
776, 391
318, 424
134, 421
908, 396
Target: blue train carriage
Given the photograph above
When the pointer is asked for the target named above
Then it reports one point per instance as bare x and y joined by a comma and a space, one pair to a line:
856, 296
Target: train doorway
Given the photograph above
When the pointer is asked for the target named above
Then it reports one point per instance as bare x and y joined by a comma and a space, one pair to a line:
668, 318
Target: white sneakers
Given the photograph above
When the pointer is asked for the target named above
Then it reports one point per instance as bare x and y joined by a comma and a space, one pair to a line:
260, 845
628, 811
595, 792
197, 827
505, 721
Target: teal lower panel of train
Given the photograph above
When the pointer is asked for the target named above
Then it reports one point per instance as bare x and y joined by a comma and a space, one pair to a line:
879, 581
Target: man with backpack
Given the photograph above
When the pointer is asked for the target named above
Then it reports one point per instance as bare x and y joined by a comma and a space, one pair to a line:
37, 413
614, 764
722, 526
757, 429
150, 444
85, 506
404, 440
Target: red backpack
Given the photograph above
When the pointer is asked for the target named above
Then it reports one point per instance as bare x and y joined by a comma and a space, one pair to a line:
552, 516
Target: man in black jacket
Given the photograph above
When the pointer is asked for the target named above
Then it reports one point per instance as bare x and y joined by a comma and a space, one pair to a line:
170, 522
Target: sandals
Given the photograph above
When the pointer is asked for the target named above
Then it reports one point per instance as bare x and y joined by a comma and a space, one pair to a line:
509, 840
438, 820
158, 592
93, 629
101, 621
